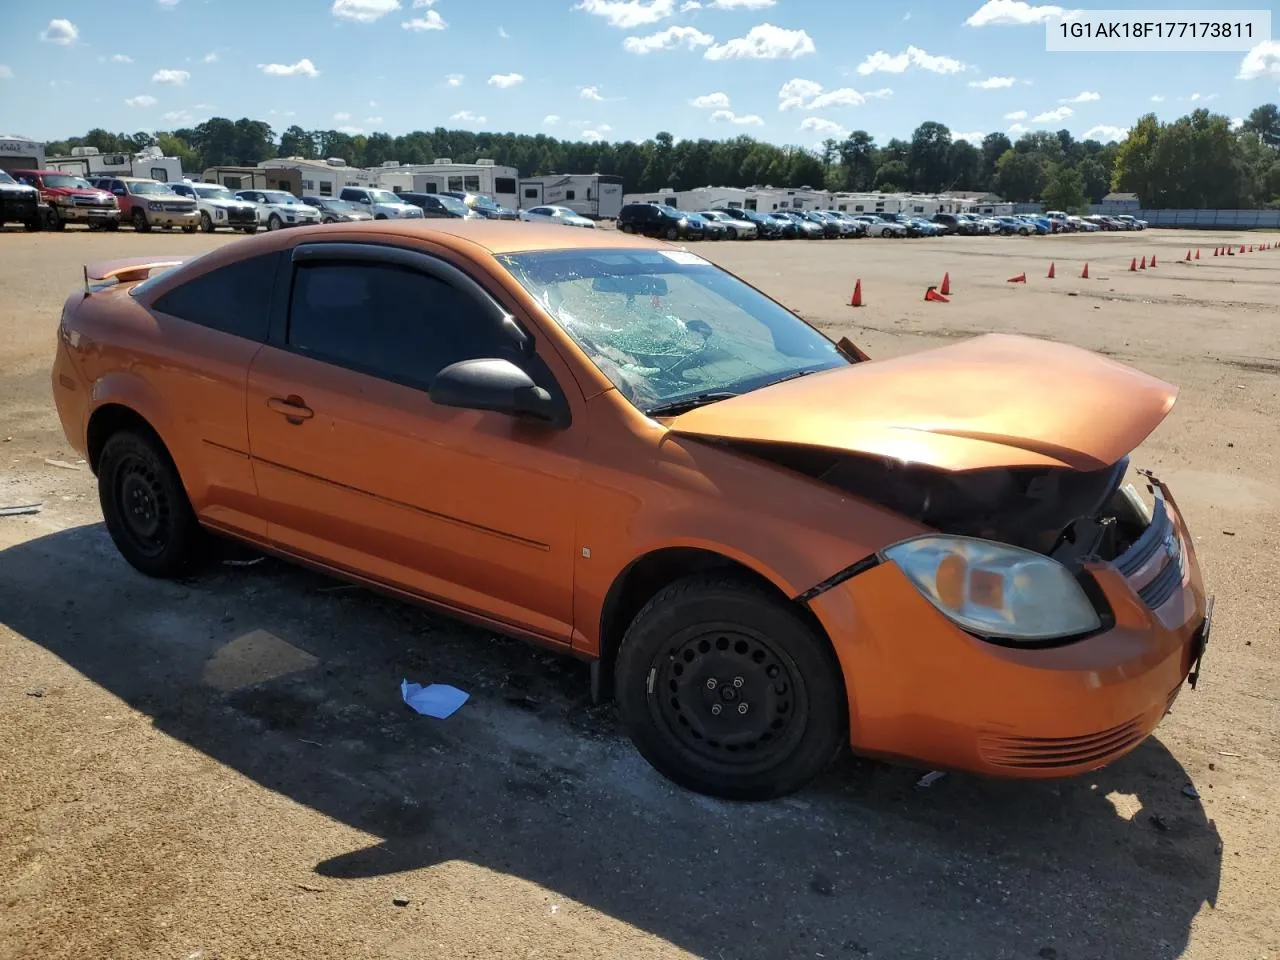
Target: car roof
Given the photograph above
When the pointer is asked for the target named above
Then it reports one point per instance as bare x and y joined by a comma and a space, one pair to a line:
501, 236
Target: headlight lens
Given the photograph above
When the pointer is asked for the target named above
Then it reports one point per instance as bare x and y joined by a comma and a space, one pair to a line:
996, 590
220, 214
154, 205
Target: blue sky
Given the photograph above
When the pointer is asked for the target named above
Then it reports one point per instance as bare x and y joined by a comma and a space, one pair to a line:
787, 71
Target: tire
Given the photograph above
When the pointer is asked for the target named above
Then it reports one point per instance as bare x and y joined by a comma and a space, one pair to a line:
696, 658
274, 222
191, 229
34, 224
886, 233
672, 233
140, 222
249, 230
55, 219
206, 222
732, 234
111, 226
145, 505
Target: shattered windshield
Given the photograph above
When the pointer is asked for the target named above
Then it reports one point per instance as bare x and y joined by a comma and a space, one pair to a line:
666, 325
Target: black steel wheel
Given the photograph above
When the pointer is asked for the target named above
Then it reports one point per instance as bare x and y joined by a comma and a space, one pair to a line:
727, 691
145, 505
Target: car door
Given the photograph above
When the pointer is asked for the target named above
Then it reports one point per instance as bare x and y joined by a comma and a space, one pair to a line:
358, 468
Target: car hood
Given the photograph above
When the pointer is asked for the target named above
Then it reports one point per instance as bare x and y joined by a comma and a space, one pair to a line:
221, 202
994, 401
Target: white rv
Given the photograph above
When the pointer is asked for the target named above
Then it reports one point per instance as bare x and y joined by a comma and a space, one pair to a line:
594, 195
149, 164
321, 178
21, 153
444, 176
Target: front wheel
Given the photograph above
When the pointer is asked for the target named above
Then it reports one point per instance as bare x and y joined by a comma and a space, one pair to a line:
111, 226
253, 229
732, 234
206, 222
140, 222
55, 219
145, 505
274, 222
672, 233
886, 232
726, 691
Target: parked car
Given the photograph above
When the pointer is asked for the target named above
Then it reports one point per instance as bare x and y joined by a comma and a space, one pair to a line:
879, 227
711, 229
1060, 221
482, 204
766, 229
857, 227
978, 226
805, 228
843, 228
280, 208
1084, 226
337, 211
383, 204
658, 220
933, 556
71, 199
19, 203
149, 203
1013, 225
949, 223
1132, 222
735, 228
920, 227
786, 228
1040, 225
830, 228
440, 206
219, 207
561, 215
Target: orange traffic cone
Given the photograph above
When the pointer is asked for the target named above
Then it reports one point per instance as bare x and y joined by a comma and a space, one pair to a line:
1251, 248
1197, 253
946, 285
933, 296
1153, 261
1143, 264
1084, 274
1133, 265
856, 299
1215, 251
1188, 254
1231, 251
1050, 275
1020, 278
1242, 248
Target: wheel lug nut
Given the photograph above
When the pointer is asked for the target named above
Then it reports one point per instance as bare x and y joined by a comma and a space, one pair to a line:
742, 708
737, 681
711, 683
715, 709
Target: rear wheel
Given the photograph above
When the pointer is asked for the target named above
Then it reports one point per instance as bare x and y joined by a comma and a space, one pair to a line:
727, 692
625, 228
672, 233
732, 233
145, 505
140, 223
274, 222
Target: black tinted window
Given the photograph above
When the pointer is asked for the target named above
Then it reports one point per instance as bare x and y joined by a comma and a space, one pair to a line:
235, 299
388, 321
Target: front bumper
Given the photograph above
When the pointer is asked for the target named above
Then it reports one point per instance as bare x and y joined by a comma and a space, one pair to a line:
20, 208
73, 213
172, 218
922, 690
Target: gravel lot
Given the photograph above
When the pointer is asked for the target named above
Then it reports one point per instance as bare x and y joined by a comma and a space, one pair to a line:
223, 768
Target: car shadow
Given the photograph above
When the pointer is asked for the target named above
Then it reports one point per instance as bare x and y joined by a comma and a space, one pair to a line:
292, 680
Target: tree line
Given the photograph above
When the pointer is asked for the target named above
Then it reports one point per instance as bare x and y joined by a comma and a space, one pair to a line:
1199, 160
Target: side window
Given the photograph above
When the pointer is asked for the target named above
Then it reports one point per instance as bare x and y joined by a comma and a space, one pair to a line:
234, 299
387, 321
570, 195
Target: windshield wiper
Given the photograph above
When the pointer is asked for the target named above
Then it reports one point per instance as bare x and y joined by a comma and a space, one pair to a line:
790, 376
688, 403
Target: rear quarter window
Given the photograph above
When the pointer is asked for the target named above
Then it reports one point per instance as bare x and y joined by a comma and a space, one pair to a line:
234, 299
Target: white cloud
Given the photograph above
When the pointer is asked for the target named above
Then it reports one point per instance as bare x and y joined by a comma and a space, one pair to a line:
808, 95
819, 125
797, 93
1263, 60
168, 4
1088, 96
763, 42
211, 57
417, 4
1013, 12
502, 33
711, 101
1105, 133
142, 100
741, 4
432, 21
881, 62
303, 68
669, 39
363, 11
1053, 116
454, 79
1017, 128
994, 83
466, 116
974, 138
176, 77
351, 131
61, 32
1202, 97
178, 116
341, 116
1236, 123
594, 136
1156, 98
121, 58
6, 72
590, 93
626, 14
504, 81
550, 120
1016, 115
743, 119
690, 5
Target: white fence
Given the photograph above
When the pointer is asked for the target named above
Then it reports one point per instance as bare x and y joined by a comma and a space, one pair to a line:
1185, 219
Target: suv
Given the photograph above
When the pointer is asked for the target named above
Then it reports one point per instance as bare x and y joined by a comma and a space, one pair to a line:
441, 205
383, 204
484, 205
337, 211
280, 208
71, 199
658, 220
19, 202
150, 203
219, 207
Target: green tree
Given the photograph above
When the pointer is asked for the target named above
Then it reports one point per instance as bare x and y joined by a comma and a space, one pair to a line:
994, 146
1265, 122
1020, 177
928, 157
965, 167
1134, 166
892, 176
1065, 190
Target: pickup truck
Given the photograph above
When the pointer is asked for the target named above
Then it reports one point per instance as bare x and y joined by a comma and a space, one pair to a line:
19, 203
71, 199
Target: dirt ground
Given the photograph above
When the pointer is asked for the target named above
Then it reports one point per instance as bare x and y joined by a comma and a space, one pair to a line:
223, 767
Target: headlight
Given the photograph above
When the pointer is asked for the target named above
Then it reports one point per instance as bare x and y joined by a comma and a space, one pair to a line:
220, 214
995, 590
154, 205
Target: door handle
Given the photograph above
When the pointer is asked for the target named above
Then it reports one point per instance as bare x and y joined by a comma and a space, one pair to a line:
293, 407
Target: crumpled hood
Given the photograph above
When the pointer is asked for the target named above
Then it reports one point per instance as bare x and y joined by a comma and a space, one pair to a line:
994, 401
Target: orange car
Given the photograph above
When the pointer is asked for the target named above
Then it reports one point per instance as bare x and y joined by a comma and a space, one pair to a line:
767, 544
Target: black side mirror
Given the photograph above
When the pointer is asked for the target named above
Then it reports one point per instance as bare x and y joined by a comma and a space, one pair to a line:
496, 385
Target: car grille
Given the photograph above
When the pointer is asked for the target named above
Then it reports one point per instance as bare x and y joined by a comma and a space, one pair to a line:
178, 207
1046, 753
1159, 544
242, 216
89, 201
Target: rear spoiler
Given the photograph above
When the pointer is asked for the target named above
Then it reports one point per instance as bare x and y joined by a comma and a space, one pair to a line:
127, 269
